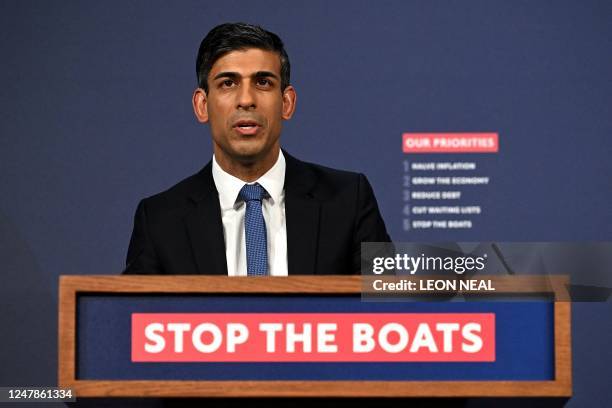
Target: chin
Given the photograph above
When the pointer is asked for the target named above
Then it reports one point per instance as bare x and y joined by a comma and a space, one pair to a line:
248, 155
251, 147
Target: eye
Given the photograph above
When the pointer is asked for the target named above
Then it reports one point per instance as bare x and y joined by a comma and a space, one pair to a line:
227, 83
264, 82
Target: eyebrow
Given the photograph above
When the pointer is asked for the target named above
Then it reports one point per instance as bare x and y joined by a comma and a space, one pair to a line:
234, 75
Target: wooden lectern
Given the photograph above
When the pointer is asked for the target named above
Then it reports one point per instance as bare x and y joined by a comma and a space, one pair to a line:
532, 342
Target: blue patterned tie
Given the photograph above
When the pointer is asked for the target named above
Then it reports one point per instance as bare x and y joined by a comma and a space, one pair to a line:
255, 230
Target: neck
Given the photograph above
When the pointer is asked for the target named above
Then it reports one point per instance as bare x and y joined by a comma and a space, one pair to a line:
246, 170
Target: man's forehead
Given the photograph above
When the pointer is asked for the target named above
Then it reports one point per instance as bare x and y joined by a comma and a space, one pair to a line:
247, 62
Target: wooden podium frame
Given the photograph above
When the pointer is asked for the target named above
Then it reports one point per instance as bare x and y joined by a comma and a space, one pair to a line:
71, 286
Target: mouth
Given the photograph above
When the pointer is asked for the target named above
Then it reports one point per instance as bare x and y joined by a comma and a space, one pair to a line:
246, 127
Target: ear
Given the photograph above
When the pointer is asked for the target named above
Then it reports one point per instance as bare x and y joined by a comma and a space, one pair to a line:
289, 99
200, 105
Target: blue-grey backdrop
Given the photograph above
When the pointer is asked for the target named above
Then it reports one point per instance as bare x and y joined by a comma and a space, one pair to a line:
95, 114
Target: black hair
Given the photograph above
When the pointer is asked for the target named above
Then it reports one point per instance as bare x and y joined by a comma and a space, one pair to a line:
229, 37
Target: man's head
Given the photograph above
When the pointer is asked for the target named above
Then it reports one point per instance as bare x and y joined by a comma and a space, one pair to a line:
229, 37
244, 93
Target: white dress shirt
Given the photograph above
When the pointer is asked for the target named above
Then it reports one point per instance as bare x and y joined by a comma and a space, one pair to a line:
232, 216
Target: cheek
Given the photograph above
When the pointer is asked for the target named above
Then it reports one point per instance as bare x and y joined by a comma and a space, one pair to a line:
216, 116
276, 110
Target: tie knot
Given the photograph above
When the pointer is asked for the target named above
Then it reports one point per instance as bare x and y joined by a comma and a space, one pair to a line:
252, 192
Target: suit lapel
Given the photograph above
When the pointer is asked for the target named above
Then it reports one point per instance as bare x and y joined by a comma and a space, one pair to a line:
205, 228
302, 217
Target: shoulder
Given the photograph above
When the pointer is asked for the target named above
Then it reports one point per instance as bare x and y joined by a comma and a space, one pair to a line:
183, 194
325, 182
332, 174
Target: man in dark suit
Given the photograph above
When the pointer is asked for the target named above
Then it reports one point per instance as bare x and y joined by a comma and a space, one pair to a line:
253, 209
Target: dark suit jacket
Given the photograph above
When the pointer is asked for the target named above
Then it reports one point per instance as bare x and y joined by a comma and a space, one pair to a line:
328, 214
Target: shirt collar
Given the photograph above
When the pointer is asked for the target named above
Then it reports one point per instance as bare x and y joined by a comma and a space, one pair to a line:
229, 186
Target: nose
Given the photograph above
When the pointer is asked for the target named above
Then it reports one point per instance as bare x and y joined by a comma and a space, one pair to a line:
246, 97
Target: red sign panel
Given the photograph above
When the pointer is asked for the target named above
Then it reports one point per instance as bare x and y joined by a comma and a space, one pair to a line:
450, 142
313, 337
